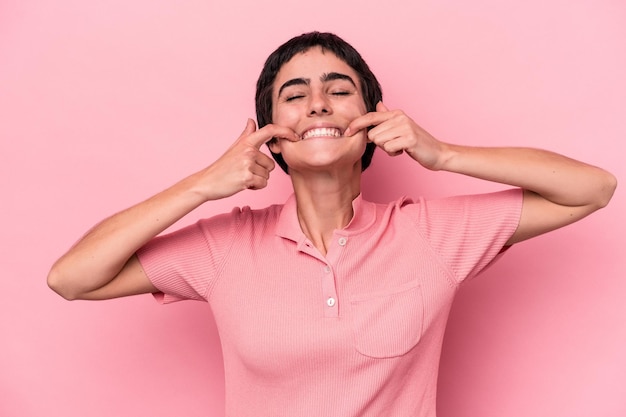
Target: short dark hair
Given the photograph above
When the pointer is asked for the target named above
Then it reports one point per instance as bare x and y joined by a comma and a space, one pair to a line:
370, 87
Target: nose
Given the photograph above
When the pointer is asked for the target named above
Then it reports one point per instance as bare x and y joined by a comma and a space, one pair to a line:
319, 104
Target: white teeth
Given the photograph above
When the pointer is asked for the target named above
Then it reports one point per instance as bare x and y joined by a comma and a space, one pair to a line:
322, 132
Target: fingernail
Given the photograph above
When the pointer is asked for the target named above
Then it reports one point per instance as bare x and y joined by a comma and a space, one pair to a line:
347, 132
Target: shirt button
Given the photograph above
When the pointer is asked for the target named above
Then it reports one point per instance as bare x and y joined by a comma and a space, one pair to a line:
330, 302
327, 269
342, 241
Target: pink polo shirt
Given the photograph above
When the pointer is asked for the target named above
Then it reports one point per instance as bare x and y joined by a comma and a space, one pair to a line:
357, 332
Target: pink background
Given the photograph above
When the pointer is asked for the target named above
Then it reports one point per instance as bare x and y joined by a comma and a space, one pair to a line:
105, 103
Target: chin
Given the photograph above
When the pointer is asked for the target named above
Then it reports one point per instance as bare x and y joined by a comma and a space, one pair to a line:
326, 164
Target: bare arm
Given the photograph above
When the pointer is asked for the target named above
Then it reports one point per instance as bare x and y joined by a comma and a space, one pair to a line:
557, 190
102, 264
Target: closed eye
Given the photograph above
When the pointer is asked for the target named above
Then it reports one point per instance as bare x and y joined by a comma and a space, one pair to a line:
292, 98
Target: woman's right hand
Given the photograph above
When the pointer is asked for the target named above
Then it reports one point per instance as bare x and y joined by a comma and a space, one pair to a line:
102, 264
243, 166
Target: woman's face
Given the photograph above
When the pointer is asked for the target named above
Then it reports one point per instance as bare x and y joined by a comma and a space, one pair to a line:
317, 95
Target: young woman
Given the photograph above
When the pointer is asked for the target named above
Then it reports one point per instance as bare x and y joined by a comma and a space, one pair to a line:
329, 304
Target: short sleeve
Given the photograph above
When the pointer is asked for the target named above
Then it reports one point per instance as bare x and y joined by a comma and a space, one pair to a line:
469, 232
184, 264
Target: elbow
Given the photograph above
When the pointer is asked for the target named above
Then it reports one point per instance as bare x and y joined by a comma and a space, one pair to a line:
609, 184
57, 283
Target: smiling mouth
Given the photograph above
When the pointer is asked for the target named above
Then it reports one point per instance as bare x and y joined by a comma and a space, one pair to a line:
321, 132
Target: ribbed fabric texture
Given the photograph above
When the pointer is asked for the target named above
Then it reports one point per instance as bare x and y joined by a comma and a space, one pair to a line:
355, 333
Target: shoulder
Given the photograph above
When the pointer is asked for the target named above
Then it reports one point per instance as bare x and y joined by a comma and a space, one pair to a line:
240, 221
441, 219
452, 207
468, 231
244, 214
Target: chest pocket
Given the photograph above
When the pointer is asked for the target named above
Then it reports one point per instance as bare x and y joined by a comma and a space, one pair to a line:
388, 323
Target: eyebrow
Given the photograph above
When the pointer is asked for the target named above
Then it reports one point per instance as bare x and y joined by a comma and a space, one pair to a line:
326, 77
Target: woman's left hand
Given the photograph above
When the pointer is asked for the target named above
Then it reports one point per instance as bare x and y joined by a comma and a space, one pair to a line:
395, 132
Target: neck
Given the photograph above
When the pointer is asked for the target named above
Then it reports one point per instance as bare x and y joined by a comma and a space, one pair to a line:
324, 204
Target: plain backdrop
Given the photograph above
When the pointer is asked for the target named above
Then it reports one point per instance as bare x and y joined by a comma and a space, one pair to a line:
104, 103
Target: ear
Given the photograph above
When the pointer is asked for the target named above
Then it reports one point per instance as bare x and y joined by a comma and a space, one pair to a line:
274, 145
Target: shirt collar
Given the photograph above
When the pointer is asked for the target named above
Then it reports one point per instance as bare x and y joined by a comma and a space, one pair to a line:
288, 225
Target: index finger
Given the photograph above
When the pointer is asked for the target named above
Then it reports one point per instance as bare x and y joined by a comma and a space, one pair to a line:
268, 132
368, 119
